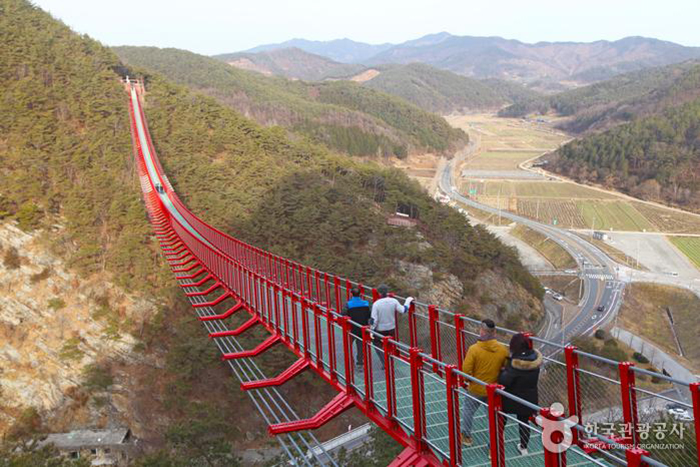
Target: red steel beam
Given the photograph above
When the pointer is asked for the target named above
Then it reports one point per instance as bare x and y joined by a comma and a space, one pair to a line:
296, 368
410, 458
335, 407
262, 347
239, 304
199, 282
176, 262
191, 276
188, 268
629, 400
215, 302
238, 331
204, 292
183, 255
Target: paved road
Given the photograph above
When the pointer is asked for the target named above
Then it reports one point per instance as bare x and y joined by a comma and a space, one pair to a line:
598, 271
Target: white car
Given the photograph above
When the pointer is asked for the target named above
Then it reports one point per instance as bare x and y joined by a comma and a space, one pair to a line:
680, 414
557, 296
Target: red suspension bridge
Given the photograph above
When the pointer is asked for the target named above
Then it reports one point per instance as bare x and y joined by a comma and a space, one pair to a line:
410, 386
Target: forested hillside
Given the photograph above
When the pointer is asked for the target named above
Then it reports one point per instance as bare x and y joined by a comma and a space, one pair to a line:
278, 192
343, 115
429, 88
64, 146
655, 158
66, 172
617, 100
291, 63
435, 90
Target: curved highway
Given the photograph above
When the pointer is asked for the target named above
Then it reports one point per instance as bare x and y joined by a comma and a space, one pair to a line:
598, 271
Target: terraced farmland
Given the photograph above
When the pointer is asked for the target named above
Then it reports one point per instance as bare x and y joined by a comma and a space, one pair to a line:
690, 246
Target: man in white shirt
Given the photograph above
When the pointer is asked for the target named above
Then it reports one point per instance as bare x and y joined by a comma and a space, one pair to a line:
383, 320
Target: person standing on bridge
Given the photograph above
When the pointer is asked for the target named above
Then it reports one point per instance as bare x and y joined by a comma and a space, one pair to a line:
484, 361
358, 310
383, 319
520, 378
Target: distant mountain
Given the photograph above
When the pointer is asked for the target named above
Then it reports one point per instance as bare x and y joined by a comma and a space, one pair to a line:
340, 50
436, 90
546, 65
619, 99
495, 57
292, 63
345, 116
427, 87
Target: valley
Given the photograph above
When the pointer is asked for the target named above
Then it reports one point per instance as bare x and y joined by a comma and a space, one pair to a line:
196, 248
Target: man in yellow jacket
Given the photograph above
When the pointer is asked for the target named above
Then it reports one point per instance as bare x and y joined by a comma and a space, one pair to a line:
484, 361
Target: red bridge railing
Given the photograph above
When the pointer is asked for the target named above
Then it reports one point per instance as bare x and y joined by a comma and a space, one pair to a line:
412, 394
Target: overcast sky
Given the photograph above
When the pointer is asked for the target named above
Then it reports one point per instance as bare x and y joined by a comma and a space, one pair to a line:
219, 26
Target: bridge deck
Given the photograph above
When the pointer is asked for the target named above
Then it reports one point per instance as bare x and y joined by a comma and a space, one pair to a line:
435, 396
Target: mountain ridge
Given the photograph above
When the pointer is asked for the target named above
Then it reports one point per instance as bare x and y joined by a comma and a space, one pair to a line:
617, 100
498, 57
329, 112
429, 88
291, 62
341, 50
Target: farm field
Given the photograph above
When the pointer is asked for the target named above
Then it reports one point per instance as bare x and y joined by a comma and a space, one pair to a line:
613, 215
499, 160
584, 214
668, 220
578, 207
544, 189
420, 167
690, 246
558, 212
495, 181
504, 133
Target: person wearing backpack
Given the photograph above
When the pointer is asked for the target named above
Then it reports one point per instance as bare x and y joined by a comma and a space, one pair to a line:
357, 309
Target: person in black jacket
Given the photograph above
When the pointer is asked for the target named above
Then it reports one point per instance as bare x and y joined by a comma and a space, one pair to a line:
358, 311
519, 377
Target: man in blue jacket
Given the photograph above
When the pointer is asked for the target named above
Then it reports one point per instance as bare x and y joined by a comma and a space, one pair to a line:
358, 311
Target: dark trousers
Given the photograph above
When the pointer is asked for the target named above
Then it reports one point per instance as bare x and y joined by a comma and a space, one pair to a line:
357, 337
523, 428
379, 345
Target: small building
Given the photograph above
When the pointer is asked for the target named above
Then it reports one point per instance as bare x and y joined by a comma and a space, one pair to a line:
600, 236
102, 447
399, 220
